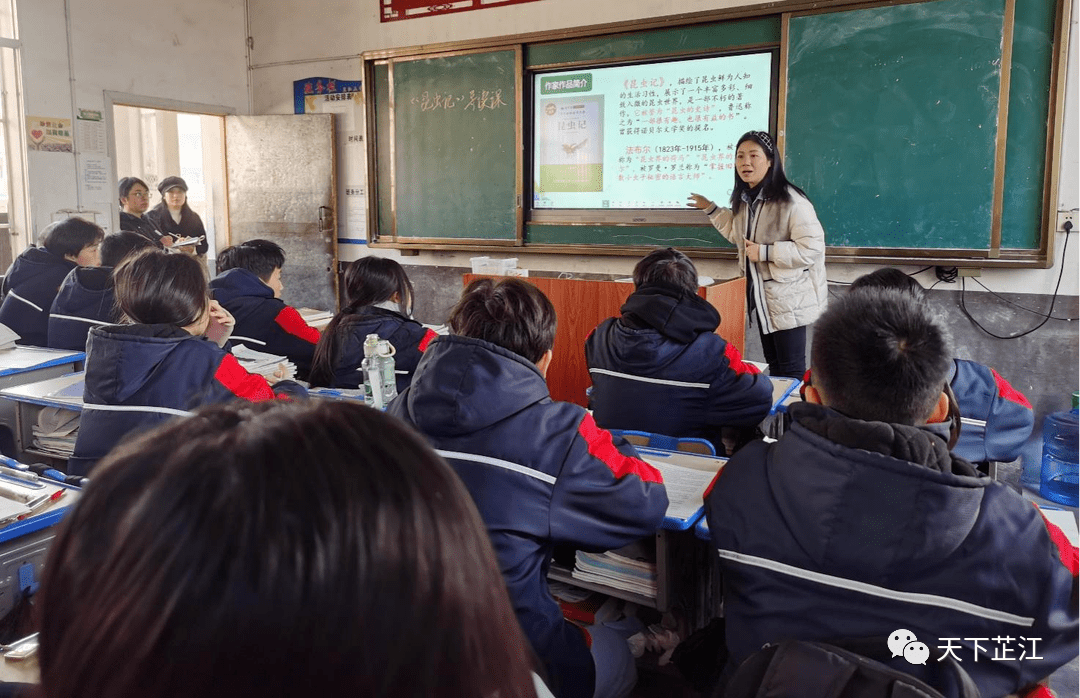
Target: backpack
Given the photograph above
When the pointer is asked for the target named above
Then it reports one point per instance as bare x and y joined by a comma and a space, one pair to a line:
797, 669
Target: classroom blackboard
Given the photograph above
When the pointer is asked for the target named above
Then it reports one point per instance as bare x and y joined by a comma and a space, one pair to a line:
456, 161
920, 130
893, 142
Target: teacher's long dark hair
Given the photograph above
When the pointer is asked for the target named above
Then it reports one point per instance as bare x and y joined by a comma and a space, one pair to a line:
775, 185
368, 280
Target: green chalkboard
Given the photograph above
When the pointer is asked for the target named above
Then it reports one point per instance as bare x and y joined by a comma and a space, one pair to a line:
456, 159
380, 99
1029, 105
892, 120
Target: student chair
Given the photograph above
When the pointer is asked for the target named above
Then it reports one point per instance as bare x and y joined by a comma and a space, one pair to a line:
666, 443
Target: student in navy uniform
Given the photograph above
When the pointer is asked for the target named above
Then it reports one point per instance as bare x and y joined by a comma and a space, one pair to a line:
86, 297
167, 363
662, 368
173, 216
134, 201
541, 472
34, 278
380, 299
277, 551
996, 418
859, 521
249, 286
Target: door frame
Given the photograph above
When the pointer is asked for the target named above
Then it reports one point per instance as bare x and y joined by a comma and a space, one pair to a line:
126, 99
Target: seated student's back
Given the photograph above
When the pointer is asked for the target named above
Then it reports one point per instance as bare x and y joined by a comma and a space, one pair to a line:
379, 300
541, 472
33, 279
996, 418
858, 522
249, 286
277, 551
163, 364
660, 367
86, 297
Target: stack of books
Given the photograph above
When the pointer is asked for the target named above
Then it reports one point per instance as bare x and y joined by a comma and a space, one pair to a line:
616, 571
55, 431
264, 364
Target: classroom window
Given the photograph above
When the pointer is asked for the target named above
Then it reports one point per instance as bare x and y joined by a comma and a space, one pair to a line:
14, 226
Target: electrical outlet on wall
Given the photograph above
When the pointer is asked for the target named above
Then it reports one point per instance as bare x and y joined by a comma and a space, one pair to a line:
1063, 216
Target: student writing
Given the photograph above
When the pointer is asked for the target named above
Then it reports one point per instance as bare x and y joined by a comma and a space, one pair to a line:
661, 367
249, 286
167, 361
541, 472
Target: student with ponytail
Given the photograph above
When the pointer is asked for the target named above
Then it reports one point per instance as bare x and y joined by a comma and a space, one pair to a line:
380, 300
781, 251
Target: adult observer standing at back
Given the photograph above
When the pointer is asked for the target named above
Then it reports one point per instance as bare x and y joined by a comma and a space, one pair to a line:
781, 251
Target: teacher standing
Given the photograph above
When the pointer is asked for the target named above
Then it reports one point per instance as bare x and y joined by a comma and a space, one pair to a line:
781, 251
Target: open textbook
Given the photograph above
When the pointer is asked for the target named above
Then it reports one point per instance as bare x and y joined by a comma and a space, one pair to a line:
264, 364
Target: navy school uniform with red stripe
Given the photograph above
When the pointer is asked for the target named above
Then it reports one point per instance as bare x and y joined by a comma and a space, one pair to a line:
996, 418
541, 473
264, 323
662, 368
846, 528
30, 286
138, 376
85, 299
409, 338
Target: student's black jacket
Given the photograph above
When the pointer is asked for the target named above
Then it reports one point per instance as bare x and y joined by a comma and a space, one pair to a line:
141, 225
30, 285
138, 376
190, 225
264, 323
408, 337
85, 299
853, 529
676, 375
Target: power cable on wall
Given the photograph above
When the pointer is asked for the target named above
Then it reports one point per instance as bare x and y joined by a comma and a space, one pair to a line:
949, 276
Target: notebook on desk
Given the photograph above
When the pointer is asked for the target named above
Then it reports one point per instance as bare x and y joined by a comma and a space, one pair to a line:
686, 476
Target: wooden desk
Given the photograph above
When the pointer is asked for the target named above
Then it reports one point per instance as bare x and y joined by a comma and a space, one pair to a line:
28, 400
21, 365
582, 305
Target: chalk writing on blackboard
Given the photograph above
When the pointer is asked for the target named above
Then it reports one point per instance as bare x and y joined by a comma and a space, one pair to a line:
476, 100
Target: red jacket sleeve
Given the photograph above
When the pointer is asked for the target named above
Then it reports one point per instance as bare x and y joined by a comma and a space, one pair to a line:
241, 383
736, 362
290, 320
605, 496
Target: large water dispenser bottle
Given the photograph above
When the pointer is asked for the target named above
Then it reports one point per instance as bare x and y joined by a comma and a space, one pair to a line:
1060, 466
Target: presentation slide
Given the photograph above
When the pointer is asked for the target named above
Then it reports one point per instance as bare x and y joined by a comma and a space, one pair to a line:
645, 135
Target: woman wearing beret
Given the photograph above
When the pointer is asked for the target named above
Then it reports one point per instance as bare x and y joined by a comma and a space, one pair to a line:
174, 217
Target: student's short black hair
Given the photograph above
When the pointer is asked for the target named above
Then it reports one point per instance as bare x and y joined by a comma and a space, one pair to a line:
126, 184
889, 277
157, 287
119, 245
880, 355
512, 313
260, 257
70, 236
666, 267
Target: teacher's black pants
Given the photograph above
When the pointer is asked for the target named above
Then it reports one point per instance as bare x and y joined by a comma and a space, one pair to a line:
785, 350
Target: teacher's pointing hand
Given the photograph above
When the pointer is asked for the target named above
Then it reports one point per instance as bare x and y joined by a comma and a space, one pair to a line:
698, 201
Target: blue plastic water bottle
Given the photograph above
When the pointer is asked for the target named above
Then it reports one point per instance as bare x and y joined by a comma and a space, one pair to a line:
1060, 466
